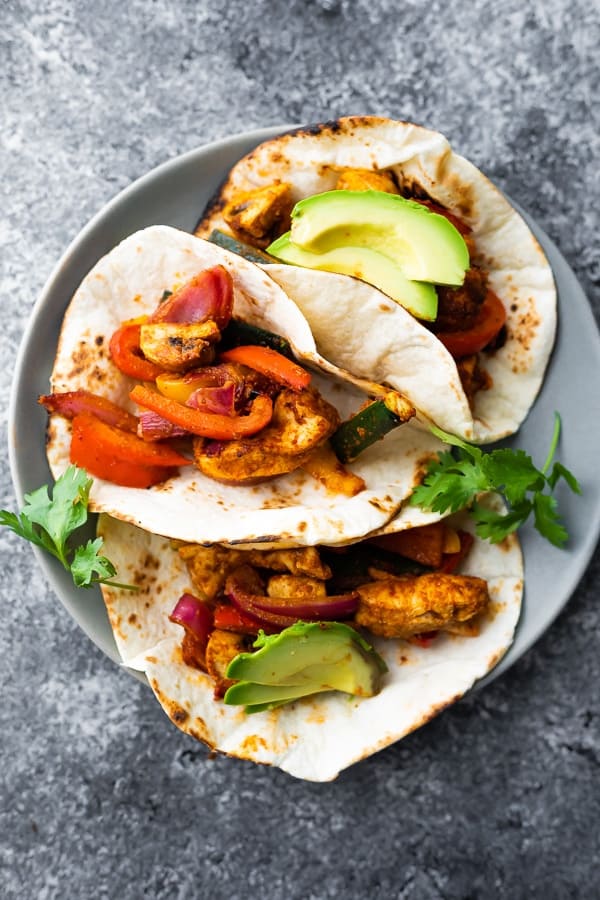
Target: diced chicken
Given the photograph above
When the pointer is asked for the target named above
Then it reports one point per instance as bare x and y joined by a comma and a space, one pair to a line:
210, 566
301, 421
324, 465
260, 215
177, 347
296, 586
366, 180
403, 606
222, 647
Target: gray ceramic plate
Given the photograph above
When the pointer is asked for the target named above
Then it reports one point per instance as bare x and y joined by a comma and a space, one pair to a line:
175, 194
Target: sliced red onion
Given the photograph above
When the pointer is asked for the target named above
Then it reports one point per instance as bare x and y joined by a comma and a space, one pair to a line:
152, 427
194, 615
244, 589
209, 295
215, 399
341, 606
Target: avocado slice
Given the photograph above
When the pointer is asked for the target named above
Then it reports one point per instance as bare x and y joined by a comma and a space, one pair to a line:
425, 245
369, 265
306, 658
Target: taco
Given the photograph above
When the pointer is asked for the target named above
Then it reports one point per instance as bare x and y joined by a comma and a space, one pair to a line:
225, 495
475, 365
406, 642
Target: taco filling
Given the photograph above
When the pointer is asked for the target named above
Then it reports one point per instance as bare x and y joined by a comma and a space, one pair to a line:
392, 205
401, 587
248, 412
311, 658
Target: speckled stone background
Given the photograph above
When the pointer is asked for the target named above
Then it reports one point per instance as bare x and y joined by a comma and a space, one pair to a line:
101, 797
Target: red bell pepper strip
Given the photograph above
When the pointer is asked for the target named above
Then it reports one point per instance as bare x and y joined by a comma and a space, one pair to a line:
490, 319
424, 638
91, 455
228, 618
270, 363
128, 447
208, 295
71, 403
127, 354
206, 424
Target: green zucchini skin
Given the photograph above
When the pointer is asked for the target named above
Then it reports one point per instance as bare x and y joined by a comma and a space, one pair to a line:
228, 242
239, 333
369, 425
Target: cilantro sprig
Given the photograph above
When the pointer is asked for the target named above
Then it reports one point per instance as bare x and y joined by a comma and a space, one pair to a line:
49, 523
454, 480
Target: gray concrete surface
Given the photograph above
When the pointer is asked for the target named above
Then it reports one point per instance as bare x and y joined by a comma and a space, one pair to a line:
100, 797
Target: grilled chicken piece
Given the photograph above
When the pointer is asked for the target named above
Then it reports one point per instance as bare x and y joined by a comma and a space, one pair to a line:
222, 647
299, 587
210, 566
177, 347
262, 214
324, 465
301, 421
366, 180
403, 606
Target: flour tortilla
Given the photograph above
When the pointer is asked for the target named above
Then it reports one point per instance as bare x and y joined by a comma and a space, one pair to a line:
127, 283
357, 327
314, 738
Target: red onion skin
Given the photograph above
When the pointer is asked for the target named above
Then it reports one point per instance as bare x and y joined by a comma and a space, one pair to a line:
244, 589
152, 427
218, 399
195, 616
208, 295
342, 606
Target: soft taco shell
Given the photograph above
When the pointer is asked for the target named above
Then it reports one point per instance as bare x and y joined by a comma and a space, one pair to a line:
356, 327
127, 283
314, 738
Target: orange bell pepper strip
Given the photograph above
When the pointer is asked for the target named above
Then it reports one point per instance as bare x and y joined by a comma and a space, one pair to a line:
99, 459
71, 403
127, 354
206, 424
490, 319
270, 363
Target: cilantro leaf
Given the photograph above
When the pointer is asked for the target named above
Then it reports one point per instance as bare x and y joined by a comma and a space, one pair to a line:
547, 520
49, 523
456, 477
87, 562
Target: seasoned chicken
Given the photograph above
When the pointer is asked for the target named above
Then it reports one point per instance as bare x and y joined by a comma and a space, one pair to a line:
222, 647
407, 605
301, 421
296, 586
459, 307
262, 214
324, 465
366, 180
210, 566
176, 347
